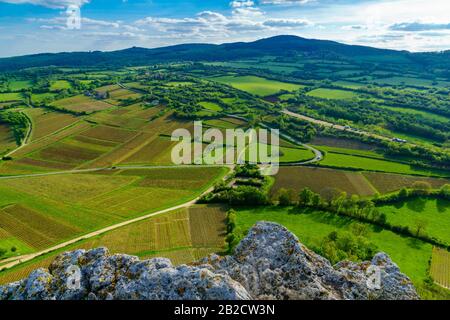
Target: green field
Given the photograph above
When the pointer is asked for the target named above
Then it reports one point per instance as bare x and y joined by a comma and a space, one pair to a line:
20, 85
412, 256
6, 97
211, 106
286, 155
256, 85
332, 94
60, 85
434, 215
363, 163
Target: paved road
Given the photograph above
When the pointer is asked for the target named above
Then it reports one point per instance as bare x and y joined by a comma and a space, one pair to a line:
334, 126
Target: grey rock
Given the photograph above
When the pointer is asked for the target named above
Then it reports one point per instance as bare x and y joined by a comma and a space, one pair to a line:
270, 263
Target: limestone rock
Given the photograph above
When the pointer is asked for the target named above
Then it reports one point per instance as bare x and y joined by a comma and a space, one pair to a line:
270, 263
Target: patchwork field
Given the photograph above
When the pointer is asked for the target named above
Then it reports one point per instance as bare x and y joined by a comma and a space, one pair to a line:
43, 211
81, 103
298, 178
256, 85
183, 236
440, 267
47, 122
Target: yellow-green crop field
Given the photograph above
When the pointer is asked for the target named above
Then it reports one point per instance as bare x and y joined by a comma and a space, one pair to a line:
440, 267
183, 236
256, 85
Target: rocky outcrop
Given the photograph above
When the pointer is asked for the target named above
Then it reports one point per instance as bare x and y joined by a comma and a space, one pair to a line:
270, 263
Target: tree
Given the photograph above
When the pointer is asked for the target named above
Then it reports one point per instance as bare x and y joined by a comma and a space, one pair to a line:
13, 249
329, 194
420, 226
285, 197
305, 197
2, 252
422, 188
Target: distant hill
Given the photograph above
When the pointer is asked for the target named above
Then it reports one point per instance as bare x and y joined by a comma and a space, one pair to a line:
281, 46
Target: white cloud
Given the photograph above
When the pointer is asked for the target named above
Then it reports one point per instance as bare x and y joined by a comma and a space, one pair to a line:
54, 4
287, 23
242, 3
285, 1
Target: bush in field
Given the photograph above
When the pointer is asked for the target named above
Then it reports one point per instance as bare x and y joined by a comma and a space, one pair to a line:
348, 245
421, 188
285, 197
2, 252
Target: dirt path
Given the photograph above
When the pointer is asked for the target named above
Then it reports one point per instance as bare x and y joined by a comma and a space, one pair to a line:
14, 261
27, 136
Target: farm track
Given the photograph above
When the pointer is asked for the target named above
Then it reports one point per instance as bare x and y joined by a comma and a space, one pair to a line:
27, 137
14, 261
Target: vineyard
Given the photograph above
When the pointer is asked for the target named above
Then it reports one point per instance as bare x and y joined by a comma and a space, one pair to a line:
440, 266
183, 236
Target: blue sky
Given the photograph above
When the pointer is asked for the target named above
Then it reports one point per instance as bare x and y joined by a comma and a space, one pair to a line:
35, 26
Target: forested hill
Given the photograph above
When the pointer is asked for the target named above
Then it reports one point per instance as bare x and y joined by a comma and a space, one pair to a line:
280, 46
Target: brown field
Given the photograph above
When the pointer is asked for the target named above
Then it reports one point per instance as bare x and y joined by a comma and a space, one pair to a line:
298, 178
45, 164
119, 154
33, 228
122, 121
386, 182
109, 134
341, 143
66, 153
108, 88
440, 267
81, 103
48, 122
7, 141
4, 234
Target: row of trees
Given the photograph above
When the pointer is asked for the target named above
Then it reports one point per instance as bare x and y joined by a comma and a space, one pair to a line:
365, 210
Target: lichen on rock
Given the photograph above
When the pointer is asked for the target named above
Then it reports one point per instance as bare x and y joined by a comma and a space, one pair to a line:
270, 263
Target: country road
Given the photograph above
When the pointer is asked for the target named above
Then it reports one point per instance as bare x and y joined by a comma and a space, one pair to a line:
334, 126
55, 173
14, 261
27, 136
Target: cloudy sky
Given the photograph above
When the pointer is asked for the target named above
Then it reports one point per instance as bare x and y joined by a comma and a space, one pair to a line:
34, 26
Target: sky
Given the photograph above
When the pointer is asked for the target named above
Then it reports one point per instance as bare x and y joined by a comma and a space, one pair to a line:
37, 26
